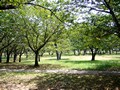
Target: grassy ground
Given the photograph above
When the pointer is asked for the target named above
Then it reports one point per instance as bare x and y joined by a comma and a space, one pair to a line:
31, 81
104, 62
38, 81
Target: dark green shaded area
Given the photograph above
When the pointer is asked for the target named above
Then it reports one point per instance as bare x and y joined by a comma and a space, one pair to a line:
77, 82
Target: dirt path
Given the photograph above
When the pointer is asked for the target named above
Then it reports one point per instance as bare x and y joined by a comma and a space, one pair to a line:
82, 72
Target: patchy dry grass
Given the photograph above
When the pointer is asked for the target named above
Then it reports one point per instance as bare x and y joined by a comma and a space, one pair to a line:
31, 81
17, 81
38, 81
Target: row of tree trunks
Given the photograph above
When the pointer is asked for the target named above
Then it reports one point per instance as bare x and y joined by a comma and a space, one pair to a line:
9, 55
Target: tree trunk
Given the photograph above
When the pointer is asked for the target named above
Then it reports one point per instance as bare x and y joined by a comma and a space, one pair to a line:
20, 57
94, 52
93, 56
84, 52
0, 57
58, 54
74, 52
115, 19
78, 51
50, 53
26, 54
36, 59
15, 57
110, 52
39, 58
20, 53
8, 58
116, 52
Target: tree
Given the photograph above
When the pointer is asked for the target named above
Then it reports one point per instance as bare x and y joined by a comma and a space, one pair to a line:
7, 30
105, 7
12, 4
92, 34
40, 26
61, 46
77, 38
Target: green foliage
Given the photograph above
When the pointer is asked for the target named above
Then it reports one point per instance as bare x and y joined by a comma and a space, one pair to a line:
96, 32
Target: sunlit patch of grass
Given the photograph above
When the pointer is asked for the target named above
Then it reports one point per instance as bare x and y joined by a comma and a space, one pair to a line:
85, 64
102, 62
96, 65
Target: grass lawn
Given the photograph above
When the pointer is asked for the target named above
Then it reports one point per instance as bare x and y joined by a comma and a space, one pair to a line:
103, 62
38, 81
42, 81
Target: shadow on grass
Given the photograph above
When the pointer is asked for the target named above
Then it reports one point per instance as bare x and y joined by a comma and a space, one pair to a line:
96, 61
77, 82
58, 60
23, 66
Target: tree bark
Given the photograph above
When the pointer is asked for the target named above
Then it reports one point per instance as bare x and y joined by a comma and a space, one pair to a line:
115, 19
74, 52
78, 50
93, 56
84, 52
8, 58
26, 54
0, 57
58, 54
39, 58
94, 52
20, 57
5, 7
36, 58
15, 57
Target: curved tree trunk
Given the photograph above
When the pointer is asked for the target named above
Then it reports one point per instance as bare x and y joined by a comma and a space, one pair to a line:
39, 58
94, 52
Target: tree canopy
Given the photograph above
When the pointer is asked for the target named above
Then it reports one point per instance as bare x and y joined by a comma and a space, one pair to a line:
60, 25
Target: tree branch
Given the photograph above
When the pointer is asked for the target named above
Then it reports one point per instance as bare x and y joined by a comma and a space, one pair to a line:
98, 10
5, 46
5, 7
46, 9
